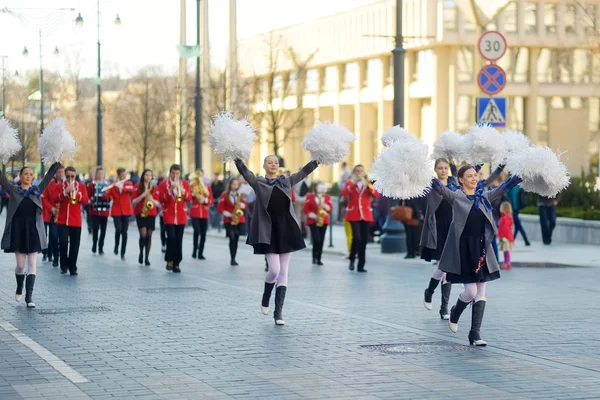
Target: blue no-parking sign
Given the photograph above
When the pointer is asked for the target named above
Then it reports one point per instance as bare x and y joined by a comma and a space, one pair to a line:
492, 110
491, 79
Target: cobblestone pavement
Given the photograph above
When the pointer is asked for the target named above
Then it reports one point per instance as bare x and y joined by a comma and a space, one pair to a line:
119, 330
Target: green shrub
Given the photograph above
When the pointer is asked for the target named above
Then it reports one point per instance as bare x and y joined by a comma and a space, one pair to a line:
568, 212
334, 189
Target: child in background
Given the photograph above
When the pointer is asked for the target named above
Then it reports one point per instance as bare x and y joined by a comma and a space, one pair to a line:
505, 233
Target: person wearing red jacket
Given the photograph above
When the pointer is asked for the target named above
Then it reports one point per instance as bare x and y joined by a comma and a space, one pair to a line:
233, 219
359, 213
174, 193
505, 233
120, 194
99, 210
202, 199
145, 205
317, 207
49, 212
71, 196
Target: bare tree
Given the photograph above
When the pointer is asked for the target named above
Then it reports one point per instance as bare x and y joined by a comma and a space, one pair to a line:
140, 115
280, 123
75, 61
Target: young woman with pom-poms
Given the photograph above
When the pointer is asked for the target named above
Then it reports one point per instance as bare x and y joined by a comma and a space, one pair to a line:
359, 213
438, 217
24, 232
467, 256
146, 204
274, 229
232, 205
317, 208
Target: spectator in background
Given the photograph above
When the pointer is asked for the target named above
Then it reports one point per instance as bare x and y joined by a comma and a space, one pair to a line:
218, 187
518, 201
302, 189
411, 227
250, 198
547, 210
134, 177
382, 205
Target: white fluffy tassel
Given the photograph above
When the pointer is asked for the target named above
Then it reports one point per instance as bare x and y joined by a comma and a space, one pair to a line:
397, 134
482, 144
328, 143
515, 141
403, 170
541, 170
231, 139
449, 146
9, 141
56, 142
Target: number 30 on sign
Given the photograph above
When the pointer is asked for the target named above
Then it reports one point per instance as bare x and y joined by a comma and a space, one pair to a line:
492, 45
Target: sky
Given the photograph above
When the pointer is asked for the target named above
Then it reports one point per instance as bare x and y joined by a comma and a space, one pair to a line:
148, 34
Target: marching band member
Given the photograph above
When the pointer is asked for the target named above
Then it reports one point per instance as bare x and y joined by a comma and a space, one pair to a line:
24, 232
72, 196
99, 210
202, 199
232, 205
359, 213
317, 208
145, 205
174, 193
50, 215
120, 193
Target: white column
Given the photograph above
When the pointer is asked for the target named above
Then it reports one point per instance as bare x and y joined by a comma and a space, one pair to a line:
531, 99
232, 64
182, 106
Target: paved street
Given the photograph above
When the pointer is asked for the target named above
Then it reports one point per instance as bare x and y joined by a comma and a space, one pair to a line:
119, 330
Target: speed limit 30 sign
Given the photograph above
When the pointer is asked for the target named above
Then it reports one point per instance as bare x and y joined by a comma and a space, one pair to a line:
492, 45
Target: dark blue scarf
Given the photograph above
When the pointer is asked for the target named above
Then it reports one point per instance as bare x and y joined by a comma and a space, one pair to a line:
478, 198
32, 191
280, 179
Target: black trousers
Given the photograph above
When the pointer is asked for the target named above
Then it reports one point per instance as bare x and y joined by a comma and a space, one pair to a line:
121, 226
70, 236
412, 239
233, 232
88, 217
98, 225
53, 239
318, 239
174, 252
163, 232
200, 226
360, 235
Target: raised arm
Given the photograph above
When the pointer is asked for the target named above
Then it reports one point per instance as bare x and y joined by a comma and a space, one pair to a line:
48, 177
303, 173
494, 175
495, 194
245, 172
6, 184
453, 169
439, 188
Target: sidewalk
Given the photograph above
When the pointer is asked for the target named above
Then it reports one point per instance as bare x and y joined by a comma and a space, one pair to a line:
536, 255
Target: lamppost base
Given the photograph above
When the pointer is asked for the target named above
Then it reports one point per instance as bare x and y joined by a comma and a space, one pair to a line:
393, 239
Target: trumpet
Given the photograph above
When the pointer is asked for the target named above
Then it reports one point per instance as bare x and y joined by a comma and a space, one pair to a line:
179, 192
237, 210
73, 194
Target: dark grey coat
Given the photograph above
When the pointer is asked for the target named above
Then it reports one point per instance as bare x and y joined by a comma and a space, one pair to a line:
15, 201
260, 224
429, 232
461, 206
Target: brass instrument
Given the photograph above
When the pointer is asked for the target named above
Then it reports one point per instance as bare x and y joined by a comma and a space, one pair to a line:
73, 194
179, 192
198, 187
237, 210
321, 213
56, 216
149, 202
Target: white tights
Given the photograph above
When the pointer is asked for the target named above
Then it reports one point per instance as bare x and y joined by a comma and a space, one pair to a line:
473, 291
438, 274
278, 268
31, 259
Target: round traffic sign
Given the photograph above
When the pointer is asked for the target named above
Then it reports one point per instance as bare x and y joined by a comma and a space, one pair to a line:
492, 45
491, 79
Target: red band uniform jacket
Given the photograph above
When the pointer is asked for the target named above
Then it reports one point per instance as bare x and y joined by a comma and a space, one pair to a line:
93, 211
49, 200
359, 201
174, 211
227, 203
121, 199
69, 213
153, 212
311, 205
200, 210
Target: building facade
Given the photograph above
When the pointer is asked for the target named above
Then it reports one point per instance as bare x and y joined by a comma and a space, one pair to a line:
552, 68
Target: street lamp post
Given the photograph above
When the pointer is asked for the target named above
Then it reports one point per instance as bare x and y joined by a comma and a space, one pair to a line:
3, 97
198, 99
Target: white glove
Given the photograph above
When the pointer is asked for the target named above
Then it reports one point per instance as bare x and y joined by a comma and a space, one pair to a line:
227, 214
243, 206
312, 215
327, 207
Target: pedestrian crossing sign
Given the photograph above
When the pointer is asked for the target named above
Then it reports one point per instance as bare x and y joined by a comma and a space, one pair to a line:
492, 110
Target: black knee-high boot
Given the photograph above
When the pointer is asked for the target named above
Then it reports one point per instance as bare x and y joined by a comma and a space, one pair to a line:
19, 292
455, 313
279, 299
476, 319
29, 282
266, 298
446, 289
433, 284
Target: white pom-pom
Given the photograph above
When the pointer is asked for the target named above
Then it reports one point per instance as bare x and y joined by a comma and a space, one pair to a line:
56, 142
482, 144
541, 170
403, 170
231, 139
397, 134
515, 141
9, 141
328, 143
449, 146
